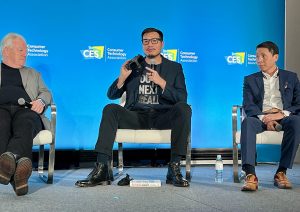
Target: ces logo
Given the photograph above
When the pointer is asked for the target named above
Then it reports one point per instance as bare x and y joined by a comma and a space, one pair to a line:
236, 58
94, 52
171, 54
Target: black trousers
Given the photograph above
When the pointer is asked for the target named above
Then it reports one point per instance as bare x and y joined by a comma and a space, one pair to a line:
18, 127
177, 118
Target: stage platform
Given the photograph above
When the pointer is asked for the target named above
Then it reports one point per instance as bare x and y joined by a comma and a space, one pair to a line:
202, 195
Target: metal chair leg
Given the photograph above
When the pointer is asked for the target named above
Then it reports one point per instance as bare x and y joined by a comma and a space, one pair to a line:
51, 164
41, 160
120, 157
235, 150
47, 179
188, 160
235, 164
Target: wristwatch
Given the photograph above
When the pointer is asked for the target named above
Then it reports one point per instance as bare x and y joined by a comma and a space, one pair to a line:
42, 101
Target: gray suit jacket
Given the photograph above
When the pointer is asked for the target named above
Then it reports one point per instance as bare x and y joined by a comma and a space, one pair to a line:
35, 88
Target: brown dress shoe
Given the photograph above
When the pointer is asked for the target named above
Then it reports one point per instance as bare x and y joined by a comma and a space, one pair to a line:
281, 181
251, 183
20, 179
7, 167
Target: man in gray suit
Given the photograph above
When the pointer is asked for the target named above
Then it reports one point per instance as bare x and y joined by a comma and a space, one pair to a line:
19, 124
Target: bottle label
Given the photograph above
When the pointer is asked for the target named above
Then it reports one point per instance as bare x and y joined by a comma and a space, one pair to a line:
219, 166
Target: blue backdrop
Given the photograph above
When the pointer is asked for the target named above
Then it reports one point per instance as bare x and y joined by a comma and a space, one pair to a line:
79, 46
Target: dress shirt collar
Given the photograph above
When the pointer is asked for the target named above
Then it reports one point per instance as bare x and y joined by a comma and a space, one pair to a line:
268, 76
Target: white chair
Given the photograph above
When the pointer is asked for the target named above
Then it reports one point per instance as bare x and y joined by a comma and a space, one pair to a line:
152, 136
266, 137
43, 138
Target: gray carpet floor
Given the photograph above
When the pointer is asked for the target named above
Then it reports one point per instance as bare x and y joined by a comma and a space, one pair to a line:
202, 195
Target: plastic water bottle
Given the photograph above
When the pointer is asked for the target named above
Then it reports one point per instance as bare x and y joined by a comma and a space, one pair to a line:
219, 169
242, 175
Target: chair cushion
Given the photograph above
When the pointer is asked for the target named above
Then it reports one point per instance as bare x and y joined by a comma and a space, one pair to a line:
143, 136
43, 137
266, 137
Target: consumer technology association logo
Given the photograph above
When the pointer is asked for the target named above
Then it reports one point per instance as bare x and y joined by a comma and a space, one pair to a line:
93, 52
180, 55
236, 58
37, 50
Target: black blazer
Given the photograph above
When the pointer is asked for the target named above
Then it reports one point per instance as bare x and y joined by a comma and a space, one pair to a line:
175, 90
253, 92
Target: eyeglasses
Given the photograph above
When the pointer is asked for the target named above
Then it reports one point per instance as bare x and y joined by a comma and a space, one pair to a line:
153, 41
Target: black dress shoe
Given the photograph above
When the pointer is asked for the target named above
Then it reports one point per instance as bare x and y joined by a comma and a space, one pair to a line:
20, 179
100, 175
174, 176
7, 167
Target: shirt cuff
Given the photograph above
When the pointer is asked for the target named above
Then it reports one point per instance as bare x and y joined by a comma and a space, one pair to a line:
286, 113
261, 117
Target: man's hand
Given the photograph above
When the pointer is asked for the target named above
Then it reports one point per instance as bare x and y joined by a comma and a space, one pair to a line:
37, 106
124, 73
271, 125
272, 117
154, 77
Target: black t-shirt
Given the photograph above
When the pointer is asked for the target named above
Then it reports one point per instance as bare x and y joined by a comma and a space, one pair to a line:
11, 86
148, 92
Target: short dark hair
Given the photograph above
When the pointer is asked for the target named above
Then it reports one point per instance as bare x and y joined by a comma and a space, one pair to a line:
147, 30
272, 47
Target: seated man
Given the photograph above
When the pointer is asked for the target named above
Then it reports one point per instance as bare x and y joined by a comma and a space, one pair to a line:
19, 124
271, 99
155, 98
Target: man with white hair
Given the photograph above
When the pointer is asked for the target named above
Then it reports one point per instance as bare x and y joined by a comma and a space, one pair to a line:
19, 124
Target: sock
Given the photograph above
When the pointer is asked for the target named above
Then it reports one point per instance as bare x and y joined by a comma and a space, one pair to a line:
249, 169
175, 158
103, 158
281, 169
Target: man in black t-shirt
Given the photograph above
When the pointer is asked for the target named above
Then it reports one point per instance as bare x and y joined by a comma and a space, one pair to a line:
19, 124
156, 97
